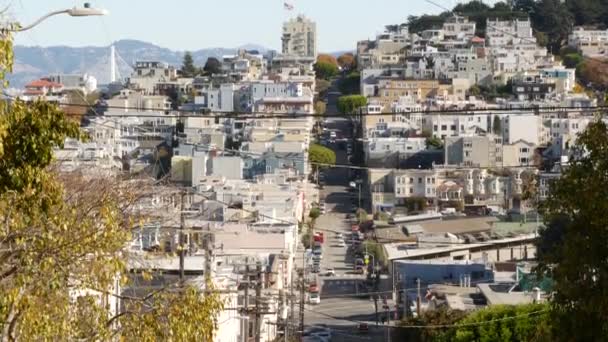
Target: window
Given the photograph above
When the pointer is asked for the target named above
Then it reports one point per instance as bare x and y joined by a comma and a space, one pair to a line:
444, 127
435, 128
453, 127
419, 180
411, 190
411, 180
398, 191
524, 150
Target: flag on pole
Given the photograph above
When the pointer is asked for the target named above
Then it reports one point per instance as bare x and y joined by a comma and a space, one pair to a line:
287, 6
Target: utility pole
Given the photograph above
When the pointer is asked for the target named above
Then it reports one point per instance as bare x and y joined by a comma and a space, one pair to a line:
181, 238
376, 307
246, 307
302, 294
258, 297
418, 299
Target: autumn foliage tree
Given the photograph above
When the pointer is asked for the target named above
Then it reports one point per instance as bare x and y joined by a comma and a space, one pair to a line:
63, 239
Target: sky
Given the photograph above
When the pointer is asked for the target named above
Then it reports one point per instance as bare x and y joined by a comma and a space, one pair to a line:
196, 24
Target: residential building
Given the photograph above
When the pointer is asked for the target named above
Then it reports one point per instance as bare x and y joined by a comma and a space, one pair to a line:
524, 127
456, 27
591, 43
381, 148
300, 37
281, 97
134, 101
85, 83
43, 89
477, 151
146, 74
517, 154
388, 48
415, 184
533, 88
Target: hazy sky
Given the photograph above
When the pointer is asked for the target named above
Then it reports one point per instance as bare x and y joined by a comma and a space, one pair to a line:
196, 24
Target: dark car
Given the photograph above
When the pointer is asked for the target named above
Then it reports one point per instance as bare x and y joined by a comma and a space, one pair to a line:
363, 328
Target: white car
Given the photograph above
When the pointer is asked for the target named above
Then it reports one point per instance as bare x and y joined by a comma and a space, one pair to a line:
339, 235
332, 135
329, 272
314, 298
341, 243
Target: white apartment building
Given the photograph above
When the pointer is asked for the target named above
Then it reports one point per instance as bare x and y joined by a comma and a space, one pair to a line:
591, 43
526, 127
300, 37
457, 27
442, 125
416, 183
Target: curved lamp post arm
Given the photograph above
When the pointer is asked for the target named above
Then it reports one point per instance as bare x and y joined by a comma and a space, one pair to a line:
41, 19
74, 12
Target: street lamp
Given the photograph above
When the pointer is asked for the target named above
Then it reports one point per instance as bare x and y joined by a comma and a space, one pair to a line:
85, 11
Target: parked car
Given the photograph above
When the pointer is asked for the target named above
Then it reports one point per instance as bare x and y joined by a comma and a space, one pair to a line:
329, 272
363, 328
341, 243
314, 298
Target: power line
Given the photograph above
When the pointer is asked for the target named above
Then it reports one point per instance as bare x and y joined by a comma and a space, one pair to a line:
274, 115
442, 326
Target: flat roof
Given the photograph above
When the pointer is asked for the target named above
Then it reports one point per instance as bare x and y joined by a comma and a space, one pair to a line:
504, 298
400, 250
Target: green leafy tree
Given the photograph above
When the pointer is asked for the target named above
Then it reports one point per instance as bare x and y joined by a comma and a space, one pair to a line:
188, 68
351, 104
434, 143
314, 213
350, 84
321, 154
528, 322
572, 249
325, 70
212, 66
497, 125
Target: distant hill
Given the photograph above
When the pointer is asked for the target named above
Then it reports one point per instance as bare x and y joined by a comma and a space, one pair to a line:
32, 62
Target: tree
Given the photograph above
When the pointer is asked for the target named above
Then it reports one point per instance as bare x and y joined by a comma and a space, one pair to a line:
553, 18
474, 90
325, 70
417, 24
528, 322
322, 86
347, 62
321, 154
63, 238
320, 107
573, 250
572, 60
212, 66
434, 143
351, 104
329, 59
188, 67
314, 213
350, 84
497, 125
